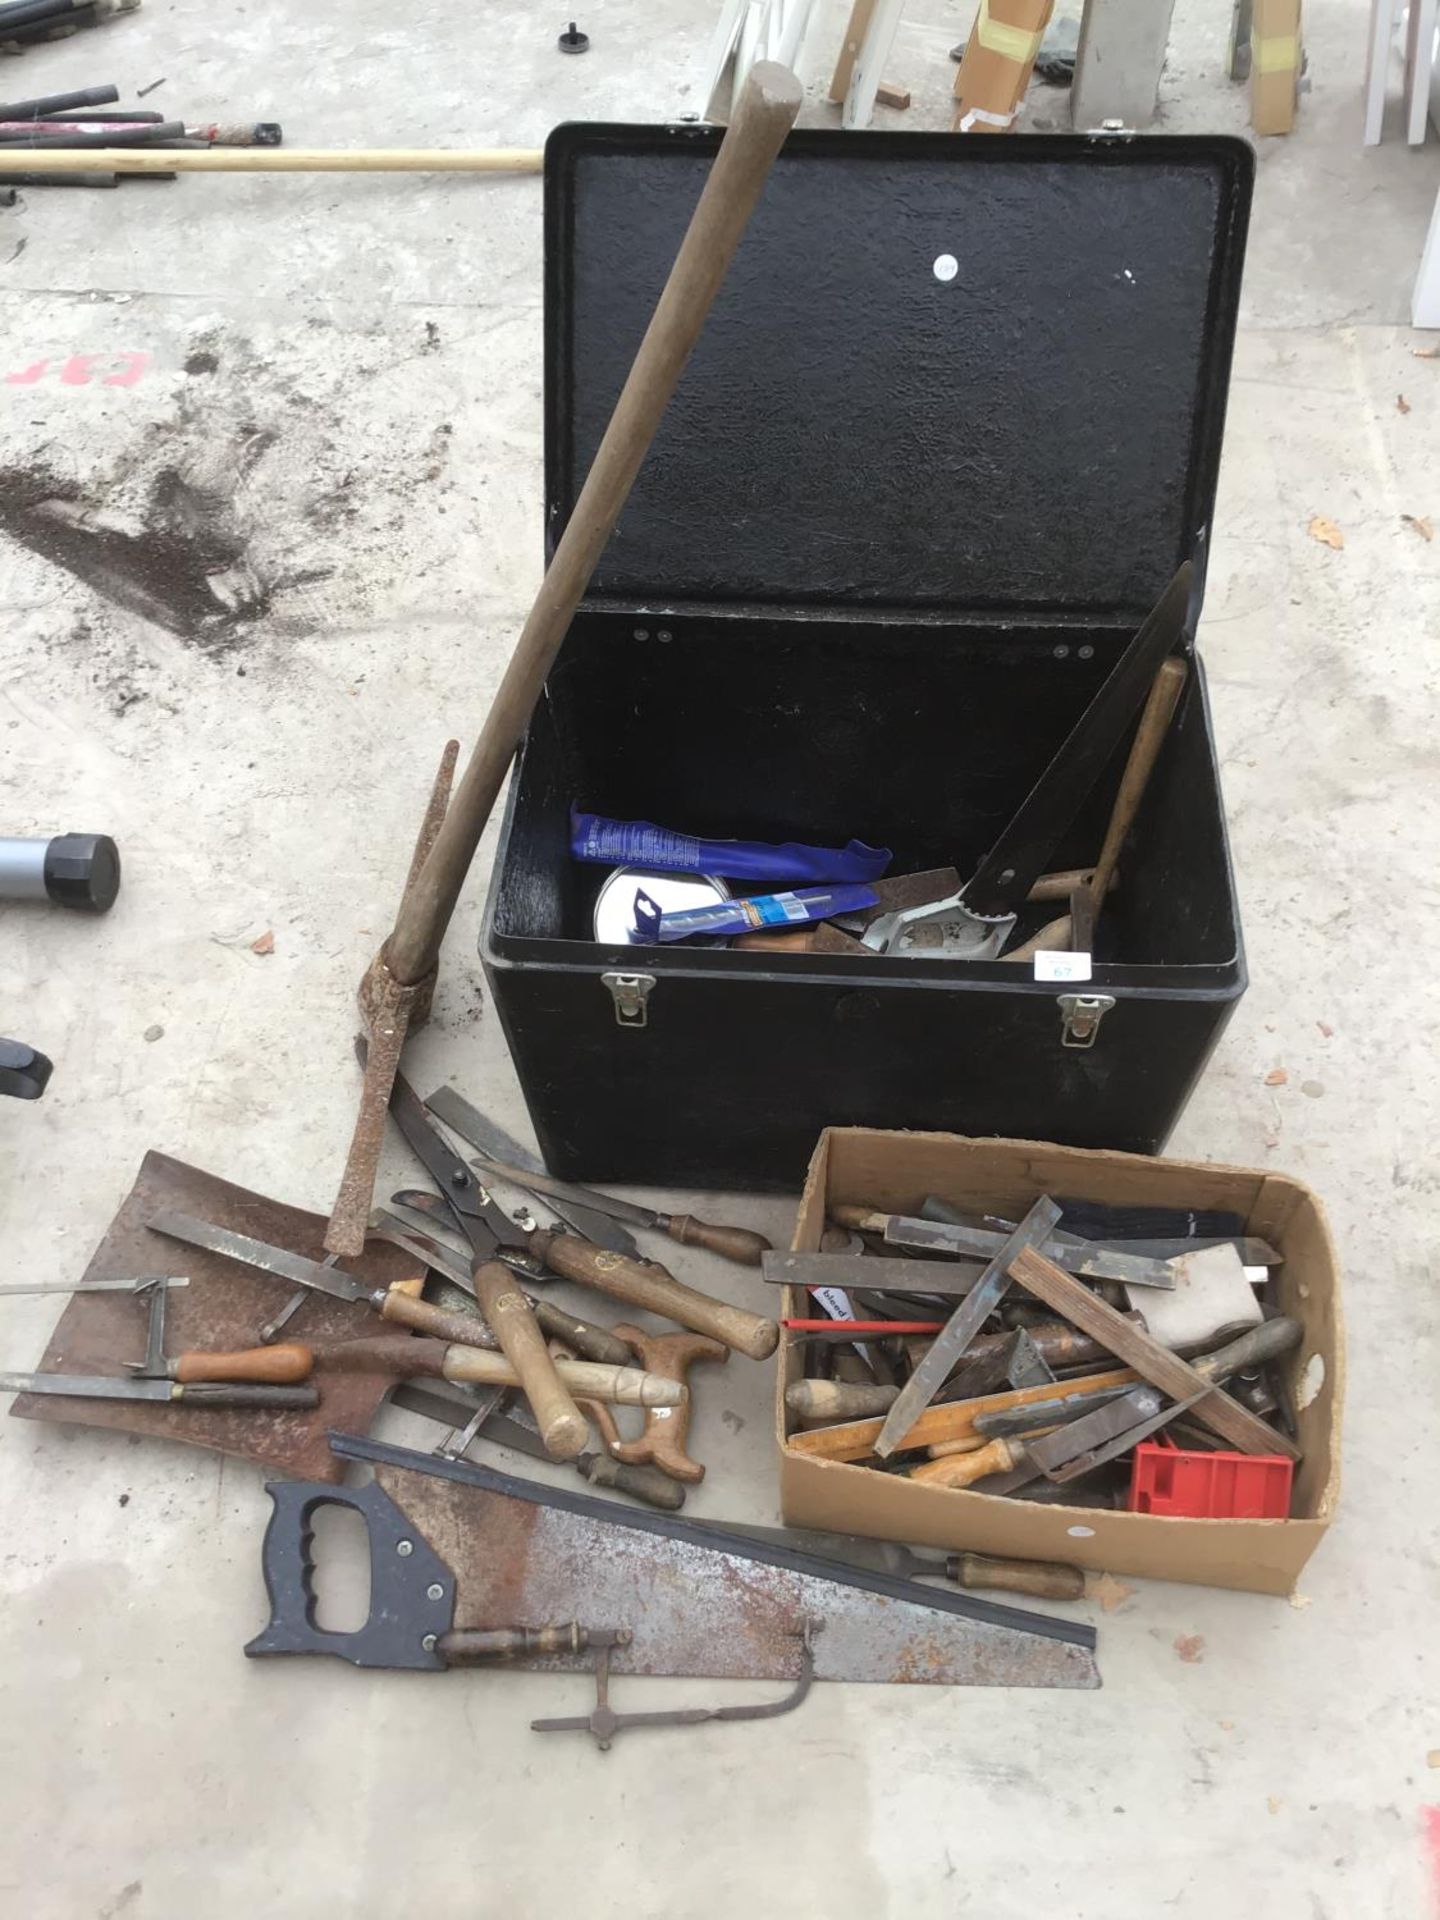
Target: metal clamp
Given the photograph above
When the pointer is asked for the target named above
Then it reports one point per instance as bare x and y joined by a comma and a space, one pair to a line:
631, 994
1080, 1017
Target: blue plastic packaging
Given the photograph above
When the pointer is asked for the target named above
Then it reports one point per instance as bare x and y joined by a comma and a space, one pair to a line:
747, 916
637, 843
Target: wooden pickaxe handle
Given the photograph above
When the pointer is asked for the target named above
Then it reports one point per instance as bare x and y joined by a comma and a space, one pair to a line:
656, 1291
764, 114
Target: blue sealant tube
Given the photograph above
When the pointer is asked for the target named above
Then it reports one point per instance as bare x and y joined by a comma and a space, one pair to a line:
798, 909
638, 843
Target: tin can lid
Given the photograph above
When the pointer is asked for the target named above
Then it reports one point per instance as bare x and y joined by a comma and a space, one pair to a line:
615, 902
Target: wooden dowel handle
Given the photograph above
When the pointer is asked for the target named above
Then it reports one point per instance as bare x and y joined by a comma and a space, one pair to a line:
1159, 710
837, 1400
656, 1489
278, 1366
581, 1379
411, 1359
741, 1244
966, 1443
858, 1219
656, 1291
1059, 886
590, 1342
563, 1427
961, 1469
466, 1329
764, 114
225, 1393
1041, 1579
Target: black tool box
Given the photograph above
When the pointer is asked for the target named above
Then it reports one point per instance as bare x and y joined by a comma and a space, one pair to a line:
953, 422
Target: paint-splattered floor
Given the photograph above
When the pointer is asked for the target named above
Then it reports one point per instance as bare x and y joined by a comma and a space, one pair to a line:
269, 518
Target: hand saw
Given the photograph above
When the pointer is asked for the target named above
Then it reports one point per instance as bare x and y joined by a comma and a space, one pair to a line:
980, 918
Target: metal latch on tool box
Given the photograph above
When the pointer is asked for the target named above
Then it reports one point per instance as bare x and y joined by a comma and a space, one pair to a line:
631, 993
1080, 1017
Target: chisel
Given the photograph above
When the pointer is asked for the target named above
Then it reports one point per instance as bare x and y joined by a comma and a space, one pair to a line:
84, 1386
1042, 1579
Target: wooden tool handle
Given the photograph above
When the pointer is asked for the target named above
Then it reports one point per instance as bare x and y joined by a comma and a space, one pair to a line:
1041, 1579
563, 1427
410, 1359
590, 1342
764, 114
1164, 697
1252, 1349
582, 1379
741, 1244
967, 1443
657, 1291
485, 1646
859, 1219
961, 1469
947, 1420
1060, 886
464, 1329
1053, 937
397, 1353
836, 1400
262, 1366
656, 1489
277, 1399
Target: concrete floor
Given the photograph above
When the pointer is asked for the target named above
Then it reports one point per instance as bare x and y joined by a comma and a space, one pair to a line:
341, 396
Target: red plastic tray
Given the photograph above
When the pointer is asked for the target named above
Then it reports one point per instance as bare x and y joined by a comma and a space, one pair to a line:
1167, 1479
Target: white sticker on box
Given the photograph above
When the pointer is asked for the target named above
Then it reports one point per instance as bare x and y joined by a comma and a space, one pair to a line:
1061, 966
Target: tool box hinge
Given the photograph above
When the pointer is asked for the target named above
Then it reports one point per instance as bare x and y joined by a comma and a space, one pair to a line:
631, 994
1080, 1017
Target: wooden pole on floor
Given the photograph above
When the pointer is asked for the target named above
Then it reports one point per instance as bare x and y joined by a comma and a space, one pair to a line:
273, 159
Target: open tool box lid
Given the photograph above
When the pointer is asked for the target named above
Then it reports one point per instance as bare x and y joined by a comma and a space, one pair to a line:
897, 526
944, 376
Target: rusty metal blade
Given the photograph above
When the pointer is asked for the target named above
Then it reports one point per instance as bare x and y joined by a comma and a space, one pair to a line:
700, 1602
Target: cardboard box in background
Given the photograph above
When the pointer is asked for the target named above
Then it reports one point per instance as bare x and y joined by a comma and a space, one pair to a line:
894, 1172
1274, 65
999, 56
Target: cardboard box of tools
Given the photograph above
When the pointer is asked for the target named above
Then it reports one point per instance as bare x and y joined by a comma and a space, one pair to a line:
894, 1172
